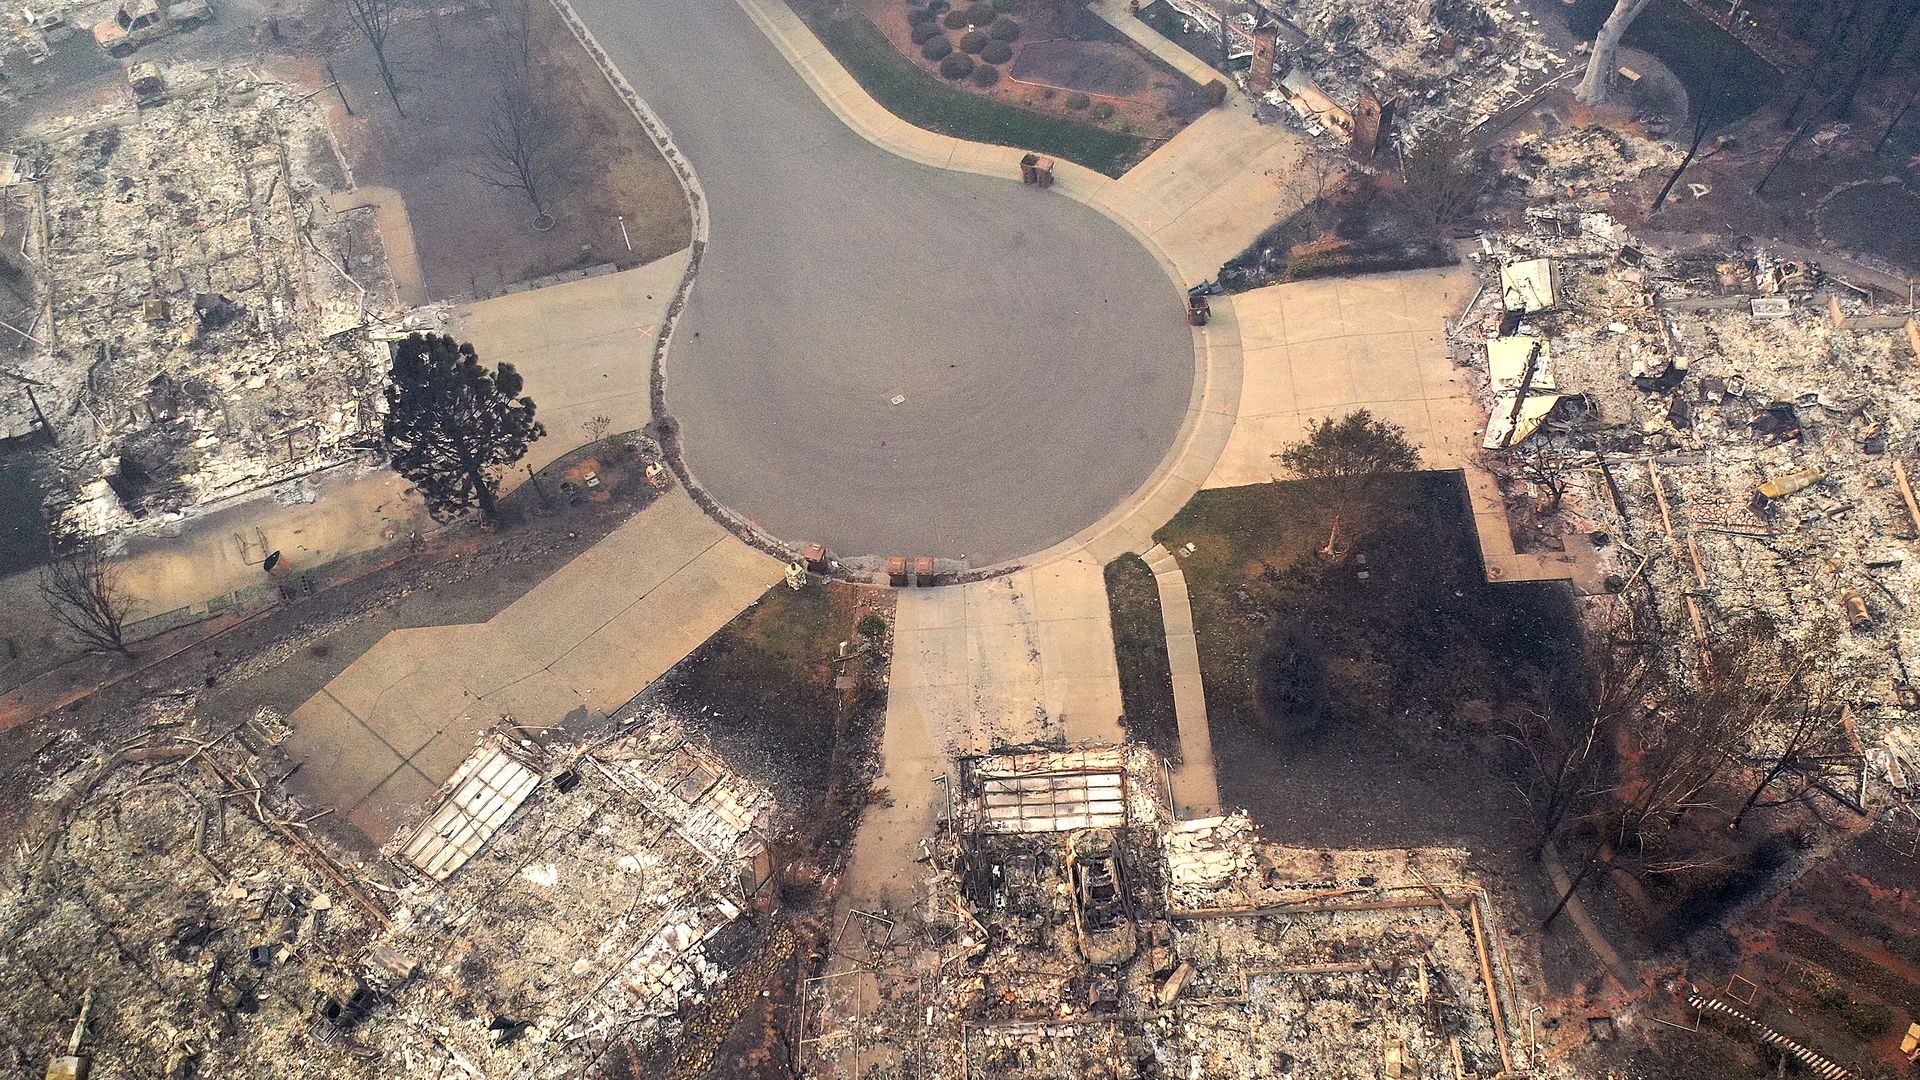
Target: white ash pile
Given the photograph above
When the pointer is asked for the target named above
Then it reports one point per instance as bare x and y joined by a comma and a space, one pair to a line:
202, 308
1739, 432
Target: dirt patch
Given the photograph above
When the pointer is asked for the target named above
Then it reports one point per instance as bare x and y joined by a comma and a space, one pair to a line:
1094, 67
772, 687
1354, 224
1857, 219
474, 239
1140, 646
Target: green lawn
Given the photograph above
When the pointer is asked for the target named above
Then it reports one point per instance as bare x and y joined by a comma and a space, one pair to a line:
926, 101
1140, 647
1406, 625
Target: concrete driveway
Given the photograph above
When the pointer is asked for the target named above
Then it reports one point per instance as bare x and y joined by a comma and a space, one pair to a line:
396, 723
1039, 349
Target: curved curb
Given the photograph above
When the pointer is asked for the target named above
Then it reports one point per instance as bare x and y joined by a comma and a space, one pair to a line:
1212, 404
1198, 445
696, 199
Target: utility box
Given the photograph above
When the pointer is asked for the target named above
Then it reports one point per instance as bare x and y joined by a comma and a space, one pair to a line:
1198, 310
1036, 170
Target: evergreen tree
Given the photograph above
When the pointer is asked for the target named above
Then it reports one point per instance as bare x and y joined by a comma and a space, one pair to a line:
452, 424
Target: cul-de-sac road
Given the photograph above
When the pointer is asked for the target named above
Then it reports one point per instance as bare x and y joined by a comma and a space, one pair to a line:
1039, 348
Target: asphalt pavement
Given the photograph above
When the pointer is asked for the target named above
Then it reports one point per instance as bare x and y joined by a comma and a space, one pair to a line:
1039, 351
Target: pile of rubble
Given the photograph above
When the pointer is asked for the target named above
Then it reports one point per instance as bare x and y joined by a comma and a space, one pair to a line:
201, 329
1068, 924
552, 903
1435, 63
168, 893
1734, 428
594, 917
1570, 163
1426, 63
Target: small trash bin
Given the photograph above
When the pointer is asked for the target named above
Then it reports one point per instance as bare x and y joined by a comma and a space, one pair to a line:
1036, 170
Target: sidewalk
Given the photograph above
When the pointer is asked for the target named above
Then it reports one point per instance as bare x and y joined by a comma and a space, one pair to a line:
396, 723
1115, 12
1196, 790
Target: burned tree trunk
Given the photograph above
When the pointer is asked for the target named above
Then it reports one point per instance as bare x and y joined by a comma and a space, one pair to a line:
1699, 135
1598, 81
83, 591
375, 20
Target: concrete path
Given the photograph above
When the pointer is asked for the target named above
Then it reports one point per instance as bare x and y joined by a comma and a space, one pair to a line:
1196, 790
1115, 12
1022, 658
1016, 659
396, 236
584, 347
1316, 350
391, 727
1214, 188
1321, 349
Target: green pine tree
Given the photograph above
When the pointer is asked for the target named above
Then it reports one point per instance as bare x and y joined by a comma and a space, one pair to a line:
452, 424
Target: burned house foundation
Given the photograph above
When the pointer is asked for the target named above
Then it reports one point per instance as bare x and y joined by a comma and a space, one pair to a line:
1068, 924
202, 314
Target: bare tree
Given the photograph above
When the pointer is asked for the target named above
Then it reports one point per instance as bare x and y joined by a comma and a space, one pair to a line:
1440, 179
1700, 125
513, 148
1598, 81
83, 591
1564, 750
1806, 698
1913, 97
512, 33
376, 20
1317, 178
596, 427
1546, 470
1756, 688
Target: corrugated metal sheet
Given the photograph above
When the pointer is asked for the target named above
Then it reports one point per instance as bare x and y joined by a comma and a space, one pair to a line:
1054, 802
489, 787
